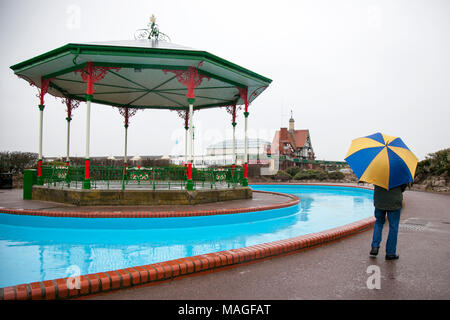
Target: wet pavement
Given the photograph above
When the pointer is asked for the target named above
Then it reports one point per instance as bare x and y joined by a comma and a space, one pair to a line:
338, 270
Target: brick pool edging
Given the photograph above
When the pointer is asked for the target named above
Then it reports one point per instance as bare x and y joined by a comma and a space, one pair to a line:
157, 272
154, 214
103, 282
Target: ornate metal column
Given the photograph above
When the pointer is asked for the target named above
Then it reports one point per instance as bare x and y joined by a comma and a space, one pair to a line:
243, 92
71, 104
127, 114
191, 130
232, 110
186, 128
90, 74
190, 78
42, 91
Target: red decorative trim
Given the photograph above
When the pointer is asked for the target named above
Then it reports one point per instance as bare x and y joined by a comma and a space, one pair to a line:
39, 173
184, 114
233, 111
126, 116
127, 113
45, 83
243, 93
190, 170
86, 169
91, 74
71, 104
44, 88
254, 94
190, 78
245, 170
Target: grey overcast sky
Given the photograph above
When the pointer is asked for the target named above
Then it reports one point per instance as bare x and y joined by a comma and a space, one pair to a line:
346, 68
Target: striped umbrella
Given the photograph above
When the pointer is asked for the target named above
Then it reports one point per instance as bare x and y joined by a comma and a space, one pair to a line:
382, 160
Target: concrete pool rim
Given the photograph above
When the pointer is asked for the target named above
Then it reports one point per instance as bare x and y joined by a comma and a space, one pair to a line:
103, 282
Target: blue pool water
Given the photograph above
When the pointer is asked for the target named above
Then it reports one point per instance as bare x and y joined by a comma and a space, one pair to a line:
34, 248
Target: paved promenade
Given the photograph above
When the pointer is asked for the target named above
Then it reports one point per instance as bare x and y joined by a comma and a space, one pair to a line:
334, 271
337, 270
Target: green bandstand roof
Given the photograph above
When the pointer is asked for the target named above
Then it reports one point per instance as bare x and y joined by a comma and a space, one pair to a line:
141, 82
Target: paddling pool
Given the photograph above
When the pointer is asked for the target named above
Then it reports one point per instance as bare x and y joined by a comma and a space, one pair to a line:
38, 248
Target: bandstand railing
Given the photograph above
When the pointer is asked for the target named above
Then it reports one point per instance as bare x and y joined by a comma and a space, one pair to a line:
115, 177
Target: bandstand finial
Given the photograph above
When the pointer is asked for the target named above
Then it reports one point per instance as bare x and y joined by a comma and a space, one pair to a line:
152, 32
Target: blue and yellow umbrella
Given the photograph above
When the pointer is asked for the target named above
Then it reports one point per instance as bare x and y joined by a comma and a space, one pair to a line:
382, 160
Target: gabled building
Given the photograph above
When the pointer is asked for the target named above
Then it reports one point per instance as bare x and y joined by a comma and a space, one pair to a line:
292, 144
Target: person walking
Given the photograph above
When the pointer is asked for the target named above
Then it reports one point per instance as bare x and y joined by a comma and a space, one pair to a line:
387, 163
387, 203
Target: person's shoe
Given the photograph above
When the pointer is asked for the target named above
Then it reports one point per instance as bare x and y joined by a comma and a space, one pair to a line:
374, 252
392, 256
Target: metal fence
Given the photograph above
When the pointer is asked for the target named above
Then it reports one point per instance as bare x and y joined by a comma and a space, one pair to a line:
114, 177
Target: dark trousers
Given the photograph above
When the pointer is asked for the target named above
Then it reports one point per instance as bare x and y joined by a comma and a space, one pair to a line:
394, 220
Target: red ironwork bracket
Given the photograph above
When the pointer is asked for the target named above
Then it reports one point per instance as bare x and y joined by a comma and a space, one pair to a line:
233, 111
45, 83
91, 74
255, 92
190, 78
184, 114
243, 93
127, 114
71, 104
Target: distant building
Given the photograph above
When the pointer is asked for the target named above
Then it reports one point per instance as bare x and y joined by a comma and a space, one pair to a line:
221, 153
292, 146
256, 148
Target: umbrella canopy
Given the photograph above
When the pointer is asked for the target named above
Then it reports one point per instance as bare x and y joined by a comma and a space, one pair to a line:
141, 74
382, 160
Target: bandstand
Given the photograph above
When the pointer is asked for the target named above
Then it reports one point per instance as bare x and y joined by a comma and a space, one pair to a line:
138, 75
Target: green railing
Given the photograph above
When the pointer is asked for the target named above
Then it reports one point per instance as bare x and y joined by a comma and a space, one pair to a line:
111, 177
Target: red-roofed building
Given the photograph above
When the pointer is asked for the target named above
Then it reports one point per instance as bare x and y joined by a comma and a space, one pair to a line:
292, 144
